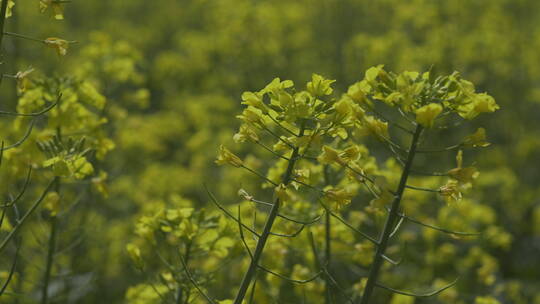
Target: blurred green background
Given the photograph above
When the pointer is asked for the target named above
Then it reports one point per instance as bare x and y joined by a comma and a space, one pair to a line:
173, 73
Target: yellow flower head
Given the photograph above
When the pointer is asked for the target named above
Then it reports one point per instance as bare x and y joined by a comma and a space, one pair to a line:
246, 133
51, 203
282, 193
60, 45
9, 9
463, 175
227, 157
477, 139
350, 154
302, 175
343, 107
479, 103
450, 191
243, 194
319, 86
251, 116
426, 115
255, 100
329, 156
376, 127
135, 254
57, 8
22, 79
357, 93
339, 196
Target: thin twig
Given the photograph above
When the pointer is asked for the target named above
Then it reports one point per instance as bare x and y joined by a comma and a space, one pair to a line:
444, 230
259, 175
214, 200
23, 190
193, 282
23, 139
390, 220
26, 215
418, 295
45, 110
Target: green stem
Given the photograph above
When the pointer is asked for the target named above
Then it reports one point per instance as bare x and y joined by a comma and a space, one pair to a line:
328, 239
390, 220
15, 229
186, 258
3, 11
327, 285
248, 276
50, 254
21, 36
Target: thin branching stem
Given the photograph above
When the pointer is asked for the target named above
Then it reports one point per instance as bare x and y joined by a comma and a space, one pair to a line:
278, 137
418, 172
326, 273
389, 260
306, 223
309, 186
194, 283
294, 234
26, 215
259, 175
291, 280
418, 295
214, 200
33, 114
241, 231
50, 259
271, 151
404, 115
361, 174
422, 189
281, 126
248, 276
21, 193
3, 10
51, 249
23, 139
261, 202
327, 255
21, 36
364, 235
336, 284
444, 230
397, 227
11, 272
187, 255
390, 220
327, 241
252, 293
372, 109
450, 148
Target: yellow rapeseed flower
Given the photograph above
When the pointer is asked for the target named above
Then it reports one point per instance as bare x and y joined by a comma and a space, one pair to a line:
450, 191
227, 157
246, 133
339, 196
477, 139
463, 175
329, 156
426, 115
282, 193
60, 45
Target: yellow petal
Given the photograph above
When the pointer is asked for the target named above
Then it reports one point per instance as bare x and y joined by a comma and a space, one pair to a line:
60, 45
426, 115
